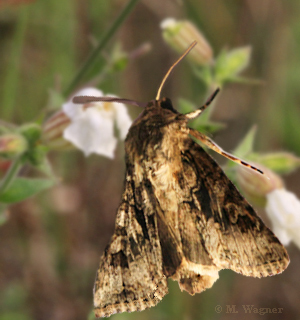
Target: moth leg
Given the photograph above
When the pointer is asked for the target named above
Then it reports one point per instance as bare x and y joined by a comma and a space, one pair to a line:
212, 145
196, 113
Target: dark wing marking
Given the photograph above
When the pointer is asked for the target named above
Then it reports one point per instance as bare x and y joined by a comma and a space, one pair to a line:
231, 232
130, 276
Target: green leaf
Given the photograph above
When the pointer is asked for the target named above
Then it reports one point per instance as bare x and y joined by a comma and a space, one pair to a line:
186, 106
231, 64
23, 188
246, 145
205, 74
244, 149
209, 126
244, 80
45, 167
280, 162
202, 123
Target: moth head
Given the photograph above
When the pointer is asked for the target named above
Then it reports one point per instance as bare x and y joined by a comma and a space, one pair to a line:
164, 103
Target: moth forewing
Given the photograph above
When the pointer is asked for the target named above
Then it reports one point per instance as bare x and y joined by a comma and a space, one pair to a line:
180, 217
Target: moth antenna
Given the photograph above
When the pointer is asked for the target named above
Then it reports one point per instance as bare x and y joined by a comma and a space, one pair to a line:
196, 113
192, 45
89, 99
212, 145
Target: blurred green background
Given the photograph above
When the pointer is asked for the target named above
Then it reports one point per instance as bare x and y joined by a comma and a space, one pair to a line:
51, 244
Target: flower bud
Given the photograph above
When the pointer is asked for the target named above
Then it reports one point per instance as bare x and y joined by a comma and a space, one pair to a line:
255, 185
12, 145
52, 131
31, 132
180, 34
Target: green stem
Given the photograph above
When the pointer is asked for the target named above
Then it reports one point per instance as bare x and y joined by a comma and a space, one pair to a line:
102, 43
10, 174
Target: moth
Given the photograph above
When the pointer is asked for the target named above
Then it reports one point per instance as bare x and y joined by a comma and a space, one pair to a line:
180, 217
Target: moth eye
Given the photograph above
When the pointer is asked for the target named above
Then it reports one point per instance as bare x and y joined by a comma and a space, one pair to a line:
166, 103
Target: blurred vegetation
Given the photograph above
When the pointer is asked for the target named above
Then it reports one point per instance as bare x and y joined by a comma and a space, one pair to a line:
50, 245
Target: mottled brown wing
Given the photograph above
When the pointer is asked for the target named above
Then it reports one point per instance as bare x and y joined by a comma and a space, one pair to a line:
230, 231
130, 275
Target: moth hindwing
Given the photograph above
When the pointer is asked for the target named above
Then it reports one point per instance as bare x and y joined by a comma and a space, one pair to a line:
180, 217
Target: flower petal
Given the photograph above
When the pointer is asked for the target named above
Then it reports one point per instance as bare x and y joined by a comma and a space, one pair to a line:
91, 132
295, 236
92, 128
73, 110
123, 119
282, 235
283, 209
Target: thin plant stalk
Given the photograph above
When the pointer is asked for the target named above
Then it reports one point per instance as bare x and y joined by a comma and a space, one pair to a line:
102, 43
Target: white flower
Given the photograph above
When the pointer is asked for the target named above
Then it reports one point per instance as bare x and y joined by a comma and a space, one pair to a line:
92, 129
283, 209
